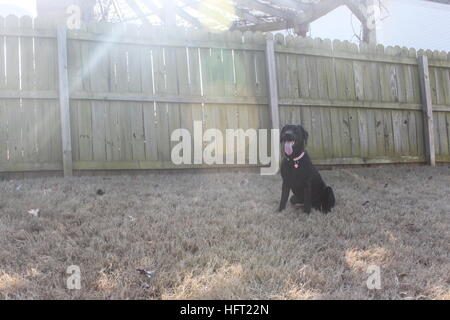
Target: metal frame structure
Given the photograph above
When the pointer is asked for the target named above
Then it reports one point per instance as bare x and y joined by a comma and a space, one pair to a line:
244, 15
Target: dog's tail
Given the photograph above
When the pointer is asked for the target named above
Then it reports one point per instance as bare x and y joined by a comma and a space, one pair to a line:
328, 199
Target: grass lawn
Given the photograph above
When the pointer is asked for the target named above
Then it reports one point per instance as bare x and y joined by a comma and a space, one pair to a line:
218, 236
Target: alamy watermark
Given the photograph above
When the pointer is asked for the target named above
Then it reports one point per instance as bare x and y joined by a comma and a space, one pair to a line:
74, 280
374, 280
230, 149
373, 16
73, 21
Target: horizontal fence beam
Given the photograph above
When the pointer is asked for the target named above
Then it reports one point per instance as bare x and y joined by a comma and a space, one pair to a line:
145, 165
228, 100
375, 160
191, 43
168, 99
349, 104
255, 101
441, 108
30, 166
28, 33
112, 39
38, 95
121, 165
315, 52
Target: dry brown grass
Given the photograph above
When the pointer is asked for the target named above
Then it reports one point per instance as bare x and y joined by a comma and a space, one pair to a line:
217, 236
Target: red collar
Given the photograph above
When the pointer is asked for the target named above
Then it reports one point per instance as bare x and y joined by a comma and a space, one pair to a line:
296, 160
299, 157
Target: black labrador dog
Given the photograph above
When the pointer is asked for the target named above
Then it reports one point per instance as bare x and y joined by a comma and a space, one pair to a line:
299, 174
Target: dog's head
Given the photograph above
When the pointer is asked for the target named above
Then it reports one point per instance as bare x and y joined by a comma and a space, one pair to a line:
293, 140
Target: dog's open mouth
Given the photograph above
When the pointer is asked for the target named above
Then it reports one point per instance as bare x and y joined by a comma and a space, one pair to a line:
288, 147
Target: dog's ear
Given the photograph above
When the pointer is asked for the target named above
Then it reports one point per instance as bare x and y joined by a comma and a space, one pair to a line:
281, 133
305, 134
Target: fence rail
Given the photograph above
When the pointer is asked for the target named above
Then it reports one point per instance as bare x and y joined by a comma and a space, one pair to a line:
128, 88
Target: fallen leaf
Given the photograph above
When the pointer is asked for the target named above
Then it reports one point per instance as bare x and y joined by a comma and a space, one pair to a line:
34, 212
146, 273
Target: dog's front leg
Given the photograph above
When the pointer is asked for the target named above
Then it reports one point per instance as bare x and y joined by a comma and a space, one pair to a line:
284, 196
307, 197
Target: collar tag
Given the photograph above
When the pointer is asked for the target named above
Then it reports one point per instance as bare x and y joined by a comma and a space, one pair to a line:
296, 160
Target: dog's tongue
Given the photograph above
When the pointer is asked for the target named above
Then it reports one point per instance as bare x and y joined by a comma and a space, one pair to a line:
288, 148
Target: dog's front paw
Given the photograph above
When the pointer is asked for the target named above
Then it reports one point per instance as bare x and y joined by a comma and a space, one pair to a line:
280, 209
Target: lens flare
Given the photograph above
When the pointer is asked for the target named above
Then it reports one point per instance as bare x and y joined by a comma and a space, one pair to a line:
216, 15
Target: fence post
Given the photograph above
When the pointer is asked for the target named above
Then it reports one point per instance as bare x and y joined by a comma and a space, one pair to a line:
64, 100
425, 90
272, 83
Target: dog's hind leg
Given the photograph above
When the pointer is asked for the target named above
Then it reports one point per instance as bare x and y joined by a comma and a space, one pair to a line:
296, 200
307, 198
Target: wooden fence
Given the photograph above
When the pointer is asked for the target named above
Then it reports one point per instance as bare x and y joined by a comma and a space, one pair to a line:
362, 105
108, 97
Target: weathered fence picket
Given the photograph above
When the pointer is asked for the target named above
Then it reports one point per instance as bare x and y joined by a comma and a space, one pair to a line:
428, 109
64, 98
